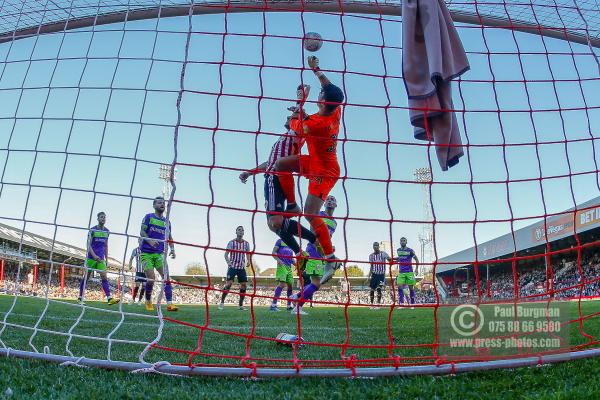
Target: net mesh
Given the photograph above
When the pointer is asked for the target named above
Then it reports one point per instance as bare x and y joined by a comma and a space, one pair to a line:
89, 115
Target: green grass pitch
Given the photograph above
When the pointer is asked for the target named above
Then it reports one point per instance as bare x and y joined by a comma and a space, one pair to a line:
35, 379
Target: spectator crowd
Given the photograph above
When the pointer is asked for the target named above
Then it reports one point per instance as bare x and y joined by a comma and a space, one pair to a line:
534, 282
565, 280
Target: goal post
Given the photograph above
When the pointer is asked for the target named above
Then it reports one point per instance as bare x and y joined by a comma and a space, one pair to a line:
577, 34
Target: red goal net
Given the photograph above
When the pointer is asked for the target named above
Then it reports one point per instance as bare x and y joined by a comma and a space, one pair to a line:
486, 167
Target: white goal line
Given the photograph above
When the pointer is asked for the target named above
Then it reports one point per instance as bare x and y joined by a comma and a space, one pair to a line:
175, 325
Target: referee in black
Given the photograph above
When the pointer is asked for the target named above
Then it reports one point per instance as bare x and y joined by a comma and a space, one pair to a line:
378, 260
140, 276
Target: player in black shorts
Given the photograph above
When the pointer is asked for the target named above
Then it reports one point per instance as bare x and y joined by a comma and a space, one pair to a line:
279, 188
235, 256
378, 260
140, 276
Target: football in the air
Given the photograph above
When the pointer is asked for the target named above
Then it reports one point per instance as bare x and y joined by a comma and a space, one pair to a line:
312, 41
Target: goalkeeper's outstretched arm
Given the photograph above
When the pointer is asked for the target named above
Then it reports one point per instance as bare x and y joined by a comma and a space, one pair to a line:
313, 63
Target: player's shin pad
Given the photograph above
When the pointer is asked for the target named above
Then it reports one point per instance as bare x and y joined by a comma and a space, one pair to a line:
288, 237
286, 180
323, 236
297, 229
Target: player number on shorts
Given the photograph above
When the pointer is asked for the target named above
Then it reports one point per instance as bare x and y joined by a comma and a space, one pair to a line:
331, 148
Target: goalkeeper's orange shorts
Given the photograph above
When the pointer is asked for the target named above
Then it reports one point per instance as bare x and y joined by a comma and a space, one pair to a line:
318, 184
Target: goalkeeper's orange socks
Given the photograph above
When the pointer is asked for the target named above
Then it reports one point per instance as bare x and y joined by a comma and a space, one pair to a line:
322, 232
286, 180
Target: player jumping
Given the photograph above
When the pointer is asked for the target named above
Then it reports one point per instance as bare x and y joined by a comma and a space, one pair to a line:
406, 276
315, 266
97, 247
320, 166
284, 256
153, 235
140, 276
376, 277
235, 256
279, 188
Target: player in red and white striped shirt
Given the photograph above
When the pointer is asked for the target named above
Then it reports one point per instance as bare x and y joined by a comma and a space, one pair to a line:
287, 145
237, 257
279, 187
378, 260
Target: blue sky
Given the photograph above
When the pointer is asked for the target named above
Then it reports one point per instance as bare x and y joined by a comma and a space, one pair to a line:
98, 109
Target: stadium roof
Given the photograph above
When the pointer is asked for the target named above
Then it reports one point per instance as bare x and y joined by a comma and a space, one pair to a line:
39, 242
579, 20
559, 226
